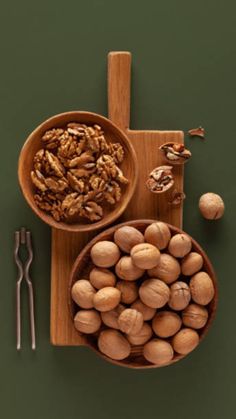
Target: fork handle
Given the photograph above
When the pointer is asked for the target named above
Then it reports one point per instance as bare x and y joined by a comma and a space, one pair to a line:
32, 318
18, 317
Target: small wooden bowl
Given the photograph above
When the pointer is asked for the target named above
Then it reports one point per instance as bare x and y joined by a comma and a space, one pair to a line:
112, 133
83, 266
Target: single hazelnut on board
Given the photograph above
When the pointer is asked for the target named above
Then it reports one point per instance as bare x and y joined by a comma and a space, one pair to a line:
154, 293
145, 255
127, 237
147, 312
180, 245
202, 288
82, 293
125, 269
113, 344
130, 321
142, 337
211, 206
158, 234
106, 299
166, 324
110, 318
105, 254
195, 316
185, 341
158, 351
168, 269
129, 291
191, 263
87, 321
180, 295
102, 277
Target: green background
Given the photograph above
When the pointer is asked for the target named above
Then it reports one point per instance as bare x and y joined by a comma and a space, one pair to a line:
53, 59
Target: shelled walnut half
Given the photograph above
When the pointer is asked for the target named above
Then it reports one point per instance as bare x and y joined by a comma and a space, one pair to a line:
160, 179
77, 172
175, 153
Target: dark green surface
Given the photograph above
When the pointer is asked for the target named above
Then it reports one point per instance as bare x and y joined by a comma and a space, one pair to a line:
53, 59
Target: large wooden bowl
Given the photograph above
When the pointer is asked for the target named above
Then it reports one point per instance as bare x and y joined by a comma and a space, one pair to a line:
82, 267
112, 133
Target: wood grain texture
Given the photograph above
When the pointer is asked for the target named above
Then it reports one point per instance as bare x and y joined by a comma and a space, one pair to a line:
144, 204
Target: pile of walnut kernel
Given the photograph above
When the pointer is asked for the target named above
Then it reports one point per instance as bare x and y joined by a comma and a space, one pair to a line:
76, 172
145, 290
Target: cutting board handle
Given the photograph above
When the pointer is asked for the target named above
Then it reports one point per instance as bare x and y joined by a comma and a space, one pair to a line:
119, 75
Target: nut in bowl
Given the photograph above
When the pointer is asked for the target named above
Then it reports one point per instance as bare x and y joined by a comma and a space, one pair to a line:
148, 316
78, 171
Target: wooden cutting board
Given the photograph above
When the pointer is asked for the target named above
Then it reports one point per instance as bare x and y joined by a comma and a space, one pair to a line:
144, 204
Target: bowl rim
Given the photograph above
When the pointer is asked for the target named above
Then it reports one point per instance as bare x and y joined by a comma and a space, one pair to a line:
118, 209
111, 230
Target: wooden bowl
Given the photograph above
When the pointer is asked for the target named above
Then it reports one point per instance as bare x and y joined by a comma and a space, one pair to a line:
82, 267
112, 133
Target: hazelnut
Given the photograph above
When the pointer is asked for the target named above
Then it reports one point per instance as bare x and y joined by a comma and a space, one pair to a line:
127, 237
154, 293
168, 269
129, 291
87, 321
195, 316
106, 299
158, 234
202, 288
142, 337
113, 344
110, 318
147, 312
211, 206
191, 263
185, 341
101, 277
158, 352
82, 293
179, 295
105, 254
166, 324
125, 269
130, 321
145, 255
180, 245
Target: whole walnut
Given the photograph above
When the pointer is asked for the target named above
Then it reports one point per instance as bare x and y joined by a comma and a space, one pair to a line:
154, 293
82, 293
168, 269
106, 299
180, 295
110, 318
158, 234
129, 291
105, 254
102, 277
166, 324
125, 269
180, 245
147, 312
202, 288
185, 341
142, 336
191, 263
145, 255
211, 206
130, 321
195, 316
158, 351
113, 344
87, 321
127, 237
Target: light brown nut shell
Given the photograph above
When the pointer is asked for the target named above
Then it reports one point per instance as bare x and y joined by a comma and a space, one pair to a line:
202, 288
125, 269
113, 344
105, 254
82, 293
110, 318
211, 206
166, 324
102, 277
185, 341
142, 337
180, 245
147, 312
129, 291
168, 269
158, 234
87, 321
106, 299
195, 316
127, 237
130, 321
158, 352
154, 293
145, 255
180, 295
191, 264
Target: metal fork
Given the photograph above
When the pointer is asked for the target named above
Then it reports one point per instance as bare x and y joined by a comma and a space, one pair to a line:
23, 237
